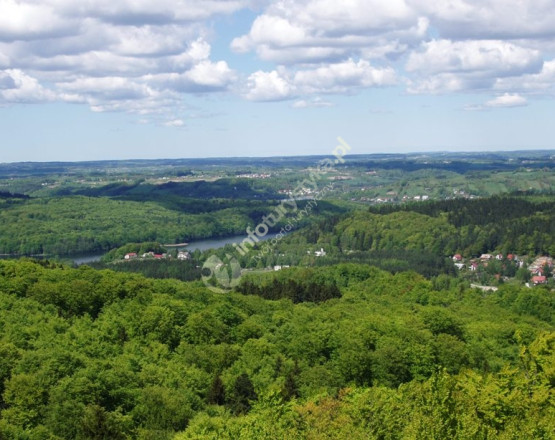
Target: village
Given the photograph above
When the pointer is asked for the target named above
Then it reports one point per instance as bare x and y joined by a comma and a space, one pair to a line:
181, 255
505, 267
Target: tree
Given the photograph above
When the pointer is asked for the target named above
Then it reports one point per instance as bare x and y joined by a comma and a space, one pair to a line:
242, 395
216, 393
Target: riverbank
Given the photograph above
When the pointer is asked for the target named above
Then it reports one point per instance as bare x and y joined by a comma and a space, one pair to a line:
201, 245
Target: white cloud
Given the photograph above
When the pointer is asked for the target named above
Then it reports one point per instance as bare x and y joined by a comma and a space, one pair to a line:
27, 20
316, 102
211, 75
491, 56
491, 19
449, 66
112, 54
336, 78
174, 123
507, 100
542, 82
16, 86
326, 30
268, 86
343, 77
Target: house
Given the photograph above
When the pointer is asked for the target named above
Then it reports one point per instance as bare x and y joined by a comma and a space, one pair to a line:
474, 267
320, 253
276, 268
183, 255
459, 266
485, 257
158, 256
457, 257
511, 257
130, 256
536, 270
499, 257
539, 280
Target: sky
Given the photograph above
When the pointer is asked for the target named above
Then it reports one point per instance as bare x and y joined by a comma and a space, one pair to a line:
128, 79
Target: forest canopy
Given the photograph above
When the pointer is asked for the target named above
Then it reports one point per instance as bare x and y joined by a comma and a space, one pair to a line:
98, 354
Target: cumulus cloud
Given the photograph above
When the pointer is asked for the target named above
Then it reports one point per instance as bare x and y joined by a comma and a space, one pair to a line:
268, 86
144, 56
542, 82
343, 77
334, 78
326, 30
490, 56
16, 86
491, 19
507, 100
448, 66
114, 55
316, 102
483, 46
174, 123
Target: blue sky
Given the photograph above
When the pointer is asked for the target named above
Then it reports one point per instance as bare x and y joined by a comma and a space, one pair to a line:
118, 79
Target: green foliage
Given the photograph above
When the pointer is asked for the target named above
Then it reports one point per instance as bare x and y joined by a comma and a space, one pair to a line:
88, 354
73, 225
298, 285
440, 229
242, 394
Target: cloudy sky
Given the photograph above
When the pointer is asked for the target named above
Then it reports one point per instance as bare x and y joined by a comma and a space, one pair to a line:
116, 79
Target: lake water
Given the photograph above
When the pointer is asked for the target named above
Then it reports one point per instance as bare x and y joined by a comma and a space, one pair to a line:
204, 245
201, 245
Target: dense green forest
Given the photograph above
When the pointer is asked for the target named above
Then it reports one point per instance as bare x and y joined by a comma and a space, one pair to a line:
61, 226
522, 225
89, 354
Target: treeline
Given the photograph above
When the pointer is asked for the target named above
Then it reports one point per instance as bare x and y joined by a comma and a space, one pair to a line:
73, 225
297, 285
9, 195
87, 354
478, 212
425, 263
200, 190
186, 270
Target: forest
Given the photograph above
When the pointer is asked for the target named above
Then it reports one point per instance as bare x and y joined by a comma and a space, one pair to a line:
95, 354
523, 224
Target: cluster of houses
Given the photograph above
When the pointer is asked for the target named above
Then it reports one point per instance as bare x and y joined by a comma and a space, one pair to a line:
254, 176
320, 253
279, 267
181, 255
537, 268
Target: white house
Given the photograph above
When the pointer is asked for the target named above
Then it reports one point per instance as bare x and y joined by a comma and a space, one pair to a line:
320, 253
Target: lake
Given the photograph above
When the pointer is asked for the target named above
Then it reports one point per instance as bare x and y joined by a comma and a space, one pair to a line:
201, 245
216, 243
